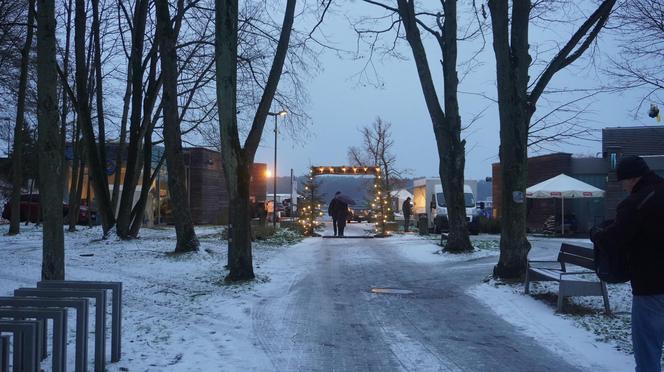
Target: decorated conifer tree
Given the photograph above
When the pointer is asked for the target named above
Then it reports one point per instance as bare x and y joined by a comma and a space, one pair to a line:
309, 210
381, 206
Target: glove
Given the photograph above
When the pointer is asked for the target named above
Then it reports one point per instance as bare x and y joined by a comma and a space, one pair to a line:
595, 233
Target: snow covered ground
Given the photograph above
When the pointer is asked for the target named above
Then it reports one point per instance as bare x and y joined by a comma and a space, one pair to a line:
588, 340
584, 334
180, 316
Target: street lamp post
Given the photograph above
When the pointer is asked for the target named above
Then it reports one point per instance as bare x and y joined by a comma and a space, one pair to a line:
274, 173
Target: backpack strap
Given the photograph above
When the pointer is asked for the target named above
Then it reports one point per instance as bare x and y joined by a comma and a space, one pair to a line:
645, 200
659, 188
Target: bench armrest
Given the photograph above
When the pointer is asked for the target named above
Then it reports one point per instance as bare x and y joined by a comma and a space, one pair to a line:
529, 261
543, 262
577, 273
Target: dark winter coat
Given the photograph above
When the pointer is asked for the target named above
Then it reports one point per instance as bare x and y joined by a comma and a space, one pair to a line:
338, 209
638, 229
407, 208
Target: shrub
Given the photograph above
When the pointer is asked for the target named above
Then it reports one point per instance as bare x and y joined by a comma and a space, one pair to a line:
489, 225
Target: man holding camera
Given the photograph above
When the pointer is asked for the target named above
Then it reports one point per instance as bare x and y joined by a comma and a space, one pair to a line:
638, 230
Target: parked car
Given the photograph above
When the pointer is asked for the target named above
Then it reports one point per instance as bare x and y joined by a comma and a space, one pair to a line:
84, 214
359, 214
30, 208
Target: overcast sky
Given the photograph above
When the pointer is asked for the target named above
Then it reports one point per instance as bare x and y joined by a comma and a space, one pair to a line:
340, 105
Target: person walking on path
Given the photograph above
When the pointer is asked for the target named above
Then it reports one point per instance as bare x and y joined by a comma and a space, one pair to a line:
339, 212
330, 211
407, 209
637, 229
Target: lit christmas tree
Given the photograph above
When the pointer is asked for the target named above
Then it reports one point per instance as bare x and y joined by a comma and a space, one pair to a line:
381, 206
310, 208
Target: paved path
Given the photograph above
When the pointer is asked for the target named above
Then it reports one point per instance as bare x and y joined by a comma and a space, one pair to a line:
332, 321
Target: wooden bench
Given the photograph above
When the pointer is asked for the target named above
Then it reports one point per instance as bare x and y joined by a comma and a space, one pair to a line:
570, 283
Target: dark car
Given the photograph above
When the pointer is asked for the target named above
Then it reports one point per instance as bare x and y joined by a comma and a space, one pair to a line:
31, 209
359, 214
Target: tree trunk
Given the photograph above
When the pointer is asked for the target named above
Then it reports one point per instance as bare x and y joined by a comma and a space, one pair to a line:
64, 95
101, 126
184, 226
30, 195
236, 160
50, 151
145, 157
95, 167
512, 63
76, 187
139, 210
131, 170
17, 165
239, 237
240, 261
75, 206
123, 140
453, 158
446, 124
140, 206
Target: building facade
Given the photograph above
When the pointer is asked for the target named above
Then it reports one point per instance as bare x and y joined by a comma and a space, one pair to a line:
586, 212
206, 186
647, 142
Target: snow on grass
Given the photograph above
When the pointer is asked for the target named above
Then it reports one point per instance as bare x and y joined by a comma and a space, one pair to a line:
427, 248
584, 335
178, 314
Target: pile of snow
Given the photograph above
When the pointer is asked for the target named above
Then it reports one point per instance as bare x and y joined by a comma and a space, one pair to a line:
428, 249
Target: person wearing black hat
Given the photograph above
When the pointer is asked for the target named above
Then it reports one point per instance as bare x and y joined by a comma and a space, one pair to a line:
332, 212
407, 209
338, 210
637, 230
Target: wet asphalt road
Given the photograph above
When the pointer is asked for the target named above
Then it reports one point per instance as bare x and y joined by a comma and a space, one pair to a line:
333, 322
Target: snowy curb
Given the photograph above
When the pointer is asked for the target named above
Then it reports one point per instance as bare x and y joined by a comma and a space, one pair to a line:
559, 335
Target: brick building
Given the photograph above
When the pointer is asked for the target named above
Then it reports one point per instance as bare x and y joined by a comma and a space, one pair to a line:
647, 142
206, 185
540, 168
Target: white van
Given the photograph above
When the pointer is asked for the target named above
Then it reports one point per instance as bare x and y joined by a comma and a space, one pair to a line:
429, 201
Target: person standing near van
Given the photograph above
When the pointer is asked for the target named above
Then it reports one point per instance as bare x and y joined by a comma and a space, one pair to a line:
407, 209
637, 230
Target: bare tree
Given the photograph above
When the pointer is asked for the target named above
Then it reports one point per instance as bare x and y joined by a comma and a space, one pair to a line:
640, 27
13, 22
517, 102
446, 119
99, 82
17, 164
257, 30
237, 159
377, 149
136, 131
82, 104
50, 151
184, 227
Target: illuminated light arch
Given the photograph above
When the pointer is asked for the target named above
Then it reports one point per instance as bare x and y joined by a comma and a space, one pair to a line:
379, 205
